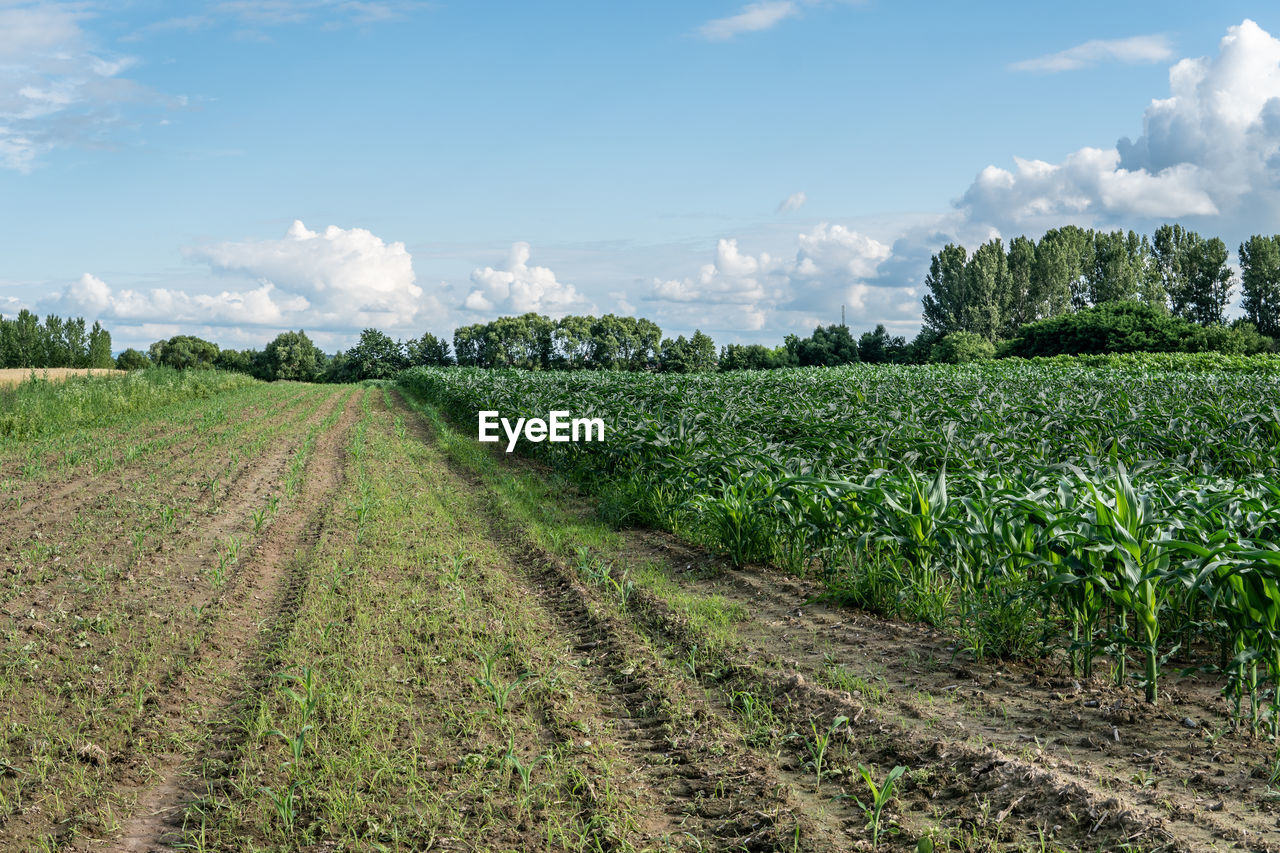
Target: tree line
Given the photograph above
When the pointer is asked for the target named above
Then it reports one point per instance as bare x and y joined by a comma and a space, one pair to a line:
1074, 290
996, 292
26, 341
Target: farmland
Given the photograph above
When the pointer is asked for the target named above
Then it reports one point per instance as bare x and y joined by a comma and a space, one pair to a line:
248, 616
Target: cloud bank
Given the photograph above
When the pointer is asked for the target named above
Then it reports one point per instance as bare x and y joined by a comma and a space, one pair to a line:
1208, 150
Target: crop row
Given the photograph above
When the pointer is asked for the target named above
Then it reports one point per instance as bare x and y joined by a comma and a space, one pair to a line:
1127, 514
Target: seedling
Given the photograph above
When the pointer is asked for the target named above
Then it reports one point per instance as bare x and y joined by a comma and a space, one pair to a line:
880, 796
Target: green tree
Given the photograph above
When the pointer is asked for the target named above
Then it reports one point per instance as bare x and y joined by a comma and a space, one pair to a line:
99, 354
572, 337
1260, 282
185, 352
1021, 303
961, 348
292, 356
1062, 256
878, 346
944, 304
702, 353
1117, 267
1209, 284
828, 346
132, 359
429, 351
54, 343
375, 356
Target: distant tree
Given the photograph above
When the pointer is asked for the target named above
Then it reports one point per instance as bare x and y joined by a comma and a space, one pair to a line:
1021, 302
753, 357
1209, 283
878, 346
240, 361
1117, 267
99, 353
428, 351
702, 352
293, 356
1111, 327
375, 356
827, 346
961, 348
131, 359
1260, 282
1062, 257
944, 304
572, 338
185, 352
467, 344
54, 343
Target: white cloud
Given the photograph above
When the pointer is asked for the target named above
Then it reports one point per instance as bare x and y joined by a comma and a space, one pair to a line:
832, 265
752, 19
1133, 50
1211, 149
792, 202
262, 306
519, 288
346, 277
56, 88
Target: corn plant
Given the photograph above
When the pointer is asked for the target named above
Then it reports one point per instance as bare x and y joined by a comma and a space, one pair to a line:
880, 797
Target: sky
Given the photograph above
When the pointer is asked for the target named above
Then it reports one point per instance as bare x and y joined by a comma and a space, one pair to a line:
235, 169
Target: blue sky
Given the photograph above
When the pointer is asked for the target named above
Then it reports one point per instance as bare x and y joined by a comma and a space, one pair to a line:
233, 169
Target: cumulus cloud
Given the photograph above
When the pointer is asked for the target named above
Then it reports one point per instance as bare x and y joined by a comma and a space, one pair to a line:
753, 18
56, 88
262, 306
792, 202
1130, 51
518, 288
346, 277
1211, 149
832, 266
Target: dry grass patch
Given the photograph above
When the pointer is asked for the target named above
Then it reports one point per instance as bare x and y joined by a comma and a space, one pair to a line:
11, 376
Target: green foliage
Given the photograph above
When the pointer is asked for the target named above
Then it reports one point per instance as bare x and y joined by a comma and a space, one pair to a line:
428, 351
185, 352
1131, 327
694, 355
961, 348
57, 342
1122, 505
37, 407
293, 356
754, 357
132, 359
375, 356
828, 346
879, 347
1260, 281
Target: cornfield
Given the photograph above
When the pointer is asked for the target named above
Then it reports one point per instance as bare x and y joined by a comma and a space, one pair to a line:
1126, 515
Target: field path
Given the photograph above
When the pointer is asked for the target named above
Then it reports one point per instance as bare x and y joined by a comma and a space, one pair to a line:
260, 600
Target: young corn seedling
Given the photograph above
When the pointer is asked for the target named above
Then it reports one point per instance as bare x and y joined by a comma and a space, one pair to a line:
880, 797
819, 744
283, 802
498, 691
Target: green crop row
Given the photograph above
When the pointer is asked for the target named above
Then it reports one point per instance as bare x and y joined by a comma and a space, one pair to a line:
1127, 513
